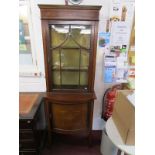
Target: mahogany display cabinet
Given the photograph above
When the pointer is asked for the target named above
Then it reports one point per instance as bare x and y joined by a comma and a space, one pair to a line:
70, 40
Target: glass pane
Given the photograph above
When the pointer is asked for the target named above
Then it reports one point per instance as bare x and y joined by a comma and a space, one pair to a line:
70, 36
81, 34
84, 59
56, 77
58, 34
70, 58
83, 78
70, 43
70, 78
55, 59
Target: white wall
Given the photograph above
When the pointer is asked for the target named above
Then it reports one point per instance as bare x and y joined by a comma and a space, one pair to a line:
38, 84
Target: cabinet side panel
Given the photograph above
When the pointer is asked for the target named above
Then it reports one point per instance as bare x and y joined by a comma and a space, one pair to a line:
93, 57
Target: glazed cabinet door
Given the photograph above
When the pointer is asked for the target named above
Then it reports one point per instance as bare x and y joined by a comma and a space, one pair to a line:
69, 55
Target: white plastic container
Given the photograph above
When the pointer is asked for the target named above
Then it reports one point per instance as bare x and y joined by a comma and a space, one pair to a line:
107, 147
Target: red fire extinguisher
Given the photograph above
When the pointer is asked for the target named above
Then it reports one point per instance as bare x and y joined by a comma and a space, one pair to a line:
109, 101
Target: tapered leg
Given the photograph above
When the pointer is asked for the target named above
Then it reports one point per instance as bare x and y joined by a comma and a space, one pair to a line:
90, 138
49, 138
48, 121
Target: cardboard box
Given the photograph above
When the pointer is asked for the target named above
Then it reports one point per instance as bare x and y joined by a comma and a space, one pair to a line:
124, 117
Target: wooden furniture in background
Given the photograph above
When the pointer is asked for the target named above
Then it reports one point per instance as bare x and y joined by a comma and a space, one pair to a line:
29, 140
69, 41
26, 102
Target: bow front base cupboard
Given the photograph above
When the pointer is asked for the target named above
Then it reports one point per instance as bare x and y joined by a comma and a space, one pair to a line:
69, 39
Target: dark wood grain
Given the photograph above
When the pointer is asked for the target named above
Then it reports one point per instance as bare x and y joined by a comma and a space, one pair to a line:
36, 103
70, 97
60, 12
69, 117
69, 110
93, 62
28, 142
26, 102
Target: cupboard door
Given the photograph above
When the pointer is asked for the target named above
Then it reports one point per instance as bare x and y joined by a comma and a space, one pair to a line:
70, 47
69, 117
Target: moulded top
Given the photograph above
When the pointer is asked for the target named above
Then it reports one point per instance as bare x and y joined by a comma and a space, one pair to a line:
69, 12
81, 7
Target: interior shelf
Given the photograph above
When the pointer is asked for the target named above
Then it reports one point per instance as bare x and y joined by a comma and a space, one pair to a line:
82, 87
76, 48
70, 69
